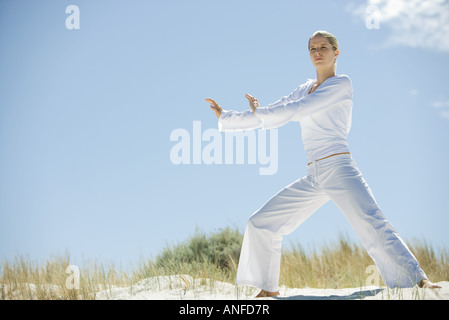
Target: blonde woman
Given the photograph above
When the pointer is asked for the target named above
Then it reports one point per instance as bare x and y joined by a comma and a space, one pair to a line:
323, 108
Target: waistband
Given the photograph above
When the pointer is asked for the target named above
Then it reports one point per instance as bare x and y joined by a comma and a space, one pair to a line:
332, 155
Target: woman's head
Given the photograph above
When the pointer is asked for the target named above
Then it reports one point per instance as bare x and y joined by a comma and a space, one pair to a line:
323, 49
330, 38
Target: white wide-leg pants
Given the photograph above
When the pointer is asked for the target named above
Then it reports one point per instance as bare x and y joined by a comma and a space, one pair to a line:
338, 179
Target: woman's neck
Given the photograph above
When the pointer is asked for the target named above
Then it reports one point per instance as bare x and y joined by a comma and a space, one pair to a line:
322, 75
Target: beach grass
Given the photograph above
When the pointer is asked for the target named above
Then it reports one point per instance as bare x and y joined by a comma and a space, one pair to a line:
56, 279
212, 257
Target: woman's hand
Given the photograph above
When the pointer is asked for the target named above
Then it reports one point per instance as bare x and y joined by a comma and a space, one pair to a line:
253, 103
214, 106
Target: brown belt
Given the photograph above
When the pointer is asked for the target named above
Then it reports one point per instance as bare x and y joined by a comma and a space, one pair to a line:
335, 154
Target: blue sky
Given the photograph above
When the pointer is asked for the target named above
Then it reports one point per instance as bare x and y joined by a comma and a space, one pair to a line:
86, 116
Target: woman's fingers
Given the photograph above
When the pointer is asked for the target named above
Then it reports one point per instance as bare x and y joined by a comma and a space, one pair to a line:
212, 102
253, 101
214, 105
250, 98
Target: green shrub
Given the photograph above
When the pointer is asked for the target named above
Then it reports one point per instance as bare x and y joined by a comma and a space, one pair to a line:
221, 248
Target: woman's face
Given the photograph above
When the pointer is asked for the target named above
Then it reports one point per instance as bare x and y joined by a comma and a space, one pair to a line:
321, 52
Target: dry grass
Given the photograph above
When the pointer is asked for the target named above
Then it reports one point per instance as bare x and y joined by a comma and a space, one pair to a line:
341, 264
344, 264
336, 265
23, 279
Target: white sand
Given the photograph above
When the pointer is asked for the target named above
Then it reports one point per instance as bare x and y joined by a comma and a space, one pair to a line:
179, 287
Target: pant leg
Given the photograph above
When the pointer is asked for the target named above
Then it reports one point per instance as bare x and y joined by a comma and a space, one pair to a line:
345, 185
260, 257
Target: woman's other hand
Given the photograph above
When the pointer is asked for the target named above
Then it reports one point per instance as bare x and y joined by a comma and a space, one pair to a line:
253, 103
214, 106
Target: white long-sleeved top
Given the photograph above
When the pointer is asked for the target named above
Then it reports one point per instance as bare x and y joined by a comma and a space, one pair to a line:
324, 115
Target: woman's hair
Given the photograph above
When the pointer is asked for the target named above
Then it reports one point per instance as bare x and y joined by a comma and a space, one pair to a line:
330, 37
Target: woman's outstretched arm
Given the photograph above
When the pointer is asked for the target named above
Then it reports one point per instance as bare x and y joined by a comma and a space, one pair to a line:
229, 120
331, 92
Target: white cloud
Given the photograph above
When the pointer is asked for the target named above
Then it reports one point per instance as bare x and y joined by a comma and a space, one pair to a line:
442, 106
444, 114
413, 23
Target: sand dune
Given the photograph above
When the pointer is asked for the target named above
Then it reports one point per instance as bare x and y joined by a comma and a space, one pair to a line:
180, 287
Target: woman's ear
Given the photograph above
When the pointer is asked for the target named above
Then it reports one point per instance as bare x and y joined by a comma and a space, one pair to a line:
336, 53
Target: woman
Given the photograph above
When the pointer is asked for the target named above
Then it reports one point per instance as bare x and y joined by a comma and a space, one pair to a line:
323, 107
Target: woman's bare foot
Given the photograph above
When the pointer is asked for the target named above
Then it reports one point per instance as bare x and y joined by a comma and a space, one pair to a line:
425, 283
265, 294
